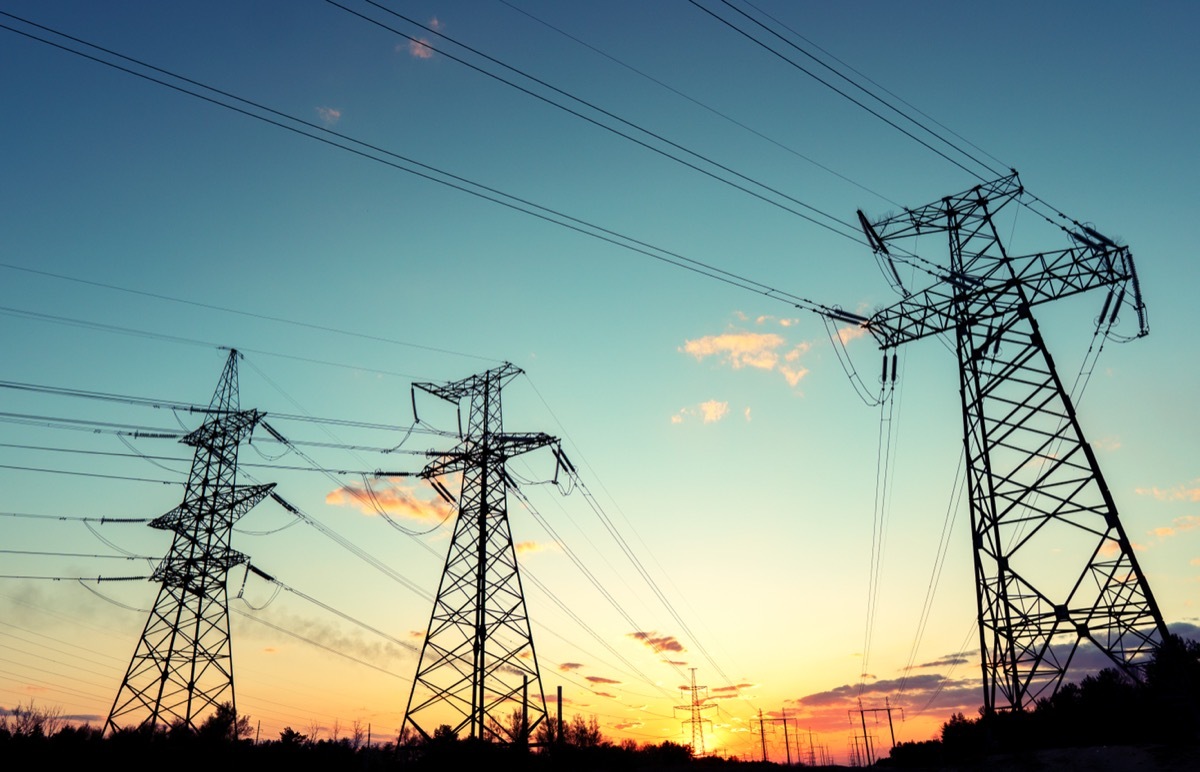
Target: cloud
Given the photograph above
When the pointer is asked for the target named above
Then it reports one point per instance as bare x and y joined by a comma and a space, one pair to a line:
528, 547
781, 321
733, 687
1107, 443
709, 412
659, 642
738, 349
567, 667
713, 411
594, 679
756, 350
418, 48
847, 334
1186, 492
329, 115
395, 499
1178, 525
746, 412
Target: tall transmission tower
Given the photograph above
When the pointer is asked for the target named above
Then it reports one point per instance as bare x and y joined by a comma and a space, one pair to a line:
182, 667
1054, 568
697, 703
478, 665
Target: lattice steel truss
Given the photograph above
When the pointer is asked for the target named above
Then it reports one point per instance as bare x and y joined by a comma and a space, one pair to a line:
1053, 565
182, 667
478, 666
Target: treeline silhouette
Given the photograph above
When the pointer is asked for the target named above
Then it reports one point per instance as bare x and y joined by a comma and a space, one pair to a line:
220, 744
1105, 709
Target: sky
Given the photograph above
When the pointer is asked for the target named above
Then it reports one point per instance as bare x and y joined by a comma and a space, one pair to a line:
474, 221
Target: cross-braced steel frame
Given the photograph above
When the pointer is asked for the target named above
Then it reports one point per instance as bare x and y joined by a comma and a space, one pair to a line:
182, 667
1054, 568
478, 667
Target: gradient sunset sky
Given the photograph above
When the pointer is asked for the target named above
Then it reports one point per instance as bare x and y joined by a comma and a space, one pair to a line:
474, 220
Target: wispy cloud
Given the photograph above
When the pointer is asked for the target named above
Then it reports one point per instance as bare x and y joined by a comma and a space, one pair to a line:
1178, 525
567, 667
421, 48
594, 679
529, 547
659, 642
329, 115
1185, 492
392, 498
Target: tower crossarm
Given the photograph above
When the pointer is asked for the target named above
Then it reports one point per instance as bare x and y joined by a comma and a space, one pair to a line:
984, 282
496, 449
992, 293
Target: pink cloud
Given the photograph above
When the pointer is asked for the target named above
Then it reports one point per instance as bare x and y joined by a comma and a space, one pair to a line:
567, 667
659, 642
847, 334
420, 49
593, 679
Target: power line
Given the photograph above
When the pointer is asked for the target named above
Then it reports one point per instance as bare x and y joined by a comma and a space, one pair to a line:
697, 102
371, 152
610, 115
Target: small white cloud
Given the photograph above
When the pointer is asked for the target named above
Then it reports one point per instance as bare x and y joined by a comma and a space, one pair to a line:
329, 115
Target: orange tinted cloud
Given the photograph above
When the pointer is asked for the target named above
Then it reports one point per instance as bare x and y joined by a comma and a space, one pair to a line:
709, 412
526, 547
567, 667
1188, 492
738, 349
391, 498
757, 350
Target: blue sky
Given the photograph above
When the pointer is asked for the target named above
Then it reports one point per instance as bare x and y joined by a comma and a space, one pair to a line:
757, 524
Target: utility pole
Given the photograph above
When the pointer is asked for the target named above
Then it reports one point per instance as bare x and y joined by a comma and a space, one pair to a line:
182, 666
478, 656
786, 741
695, 706
862, 719
865, 737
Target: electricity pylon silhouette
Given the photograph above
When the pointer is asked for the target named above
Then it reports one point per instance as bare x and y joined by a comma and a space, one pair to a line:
478, 665
182, 667
1054, 567
695, 706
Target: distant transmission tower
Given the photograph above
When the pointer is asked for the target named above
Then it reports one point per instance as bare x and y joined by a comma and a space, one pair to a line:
478, 666
182, 667
1054, 568
696, 705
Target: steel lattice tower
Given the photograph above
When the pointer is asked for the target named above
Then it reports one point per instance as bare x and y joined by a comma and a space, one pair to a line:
182, 667
1033, 480
477, 663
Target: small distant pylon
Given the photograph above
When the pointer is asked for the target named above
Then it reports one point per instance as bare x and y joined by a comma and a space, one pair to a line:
182, 667
695, 706
477, 665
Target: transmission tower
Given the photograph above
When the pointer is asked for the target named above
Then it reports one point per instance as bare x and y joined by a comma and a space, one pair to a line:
1034, 484
182, 667
695, 706
477, 665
